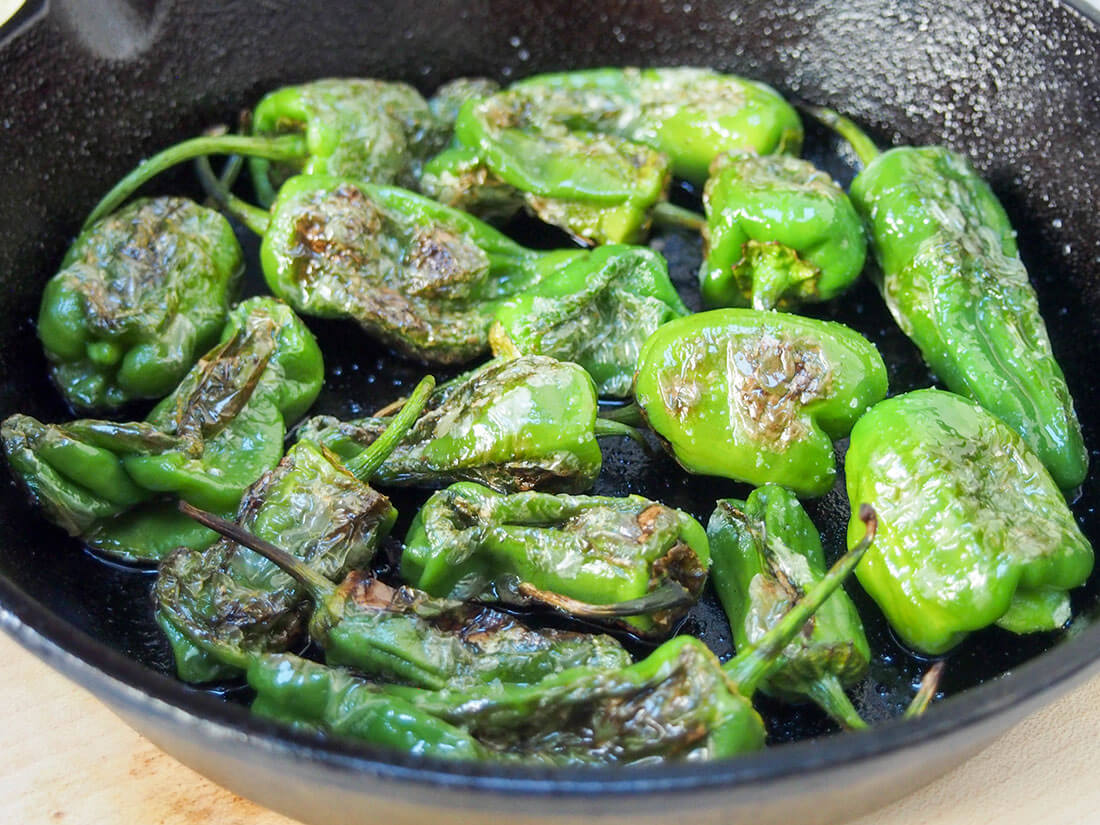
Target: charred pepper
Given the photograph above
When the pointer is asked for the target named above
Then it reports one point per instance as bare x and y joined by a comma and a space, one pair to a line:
139, 296
512, 424
766, 553
972, 528
779, 233
953, 279
757, 396
219, 430
596, 311
589, 556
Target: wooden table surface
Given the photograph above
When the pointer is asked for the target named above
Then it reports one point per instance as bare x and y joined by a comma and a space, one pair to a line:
67, 759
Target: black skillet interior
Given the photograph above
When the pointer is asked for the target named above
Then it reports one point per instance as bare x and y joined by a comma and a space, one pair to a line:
91, 87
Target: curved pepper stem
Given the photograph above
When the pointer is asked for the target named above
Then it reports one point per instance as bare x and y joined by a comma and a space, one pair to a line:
863, 146
748, 668
627, 414
828, 693
668, 596
667, 214
255, 218
606, 427
366, 464
286, 147
929, 684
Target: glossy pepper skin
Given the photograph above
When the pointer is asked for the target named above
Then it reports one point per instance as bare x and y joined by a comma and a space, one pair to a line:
691, 115
596, 312
513, 424
973, 529
569, 552
353, 127
421, 277
953, 279
757, 396
211, 438
779, 233
765, 553
139, 296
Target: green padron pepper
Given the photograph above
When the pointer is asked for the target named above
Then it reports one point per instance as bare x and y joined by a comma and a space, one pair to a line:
449, 98
676, 704
765, 553
596, 311
211, 438
405, 635
513, 424
779, 233
953, 279
224, 604
692, 115
757, 396
972, 529
594, 557
140, 295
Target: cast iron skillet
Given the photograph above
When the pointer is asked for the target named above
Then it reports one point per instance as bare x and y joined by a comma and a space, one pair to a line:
90, 87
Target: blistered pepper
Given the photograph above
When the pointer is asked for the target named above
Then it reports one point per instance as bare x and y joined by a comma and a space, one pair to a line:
211, 438
953, 279
597, 312
222, 605
589, 556
765, 553
973, 530
140, 295
779, 233
757, 396
512, 424
677, 703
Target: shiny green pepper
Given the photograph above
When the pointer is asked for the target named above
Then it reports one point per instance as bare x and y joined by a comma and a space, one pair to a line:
211, 438
590, 556
757, 396
597, 311
954, 281
692, 115
511, 424
779, 233
972, 529
765, 554
140, 295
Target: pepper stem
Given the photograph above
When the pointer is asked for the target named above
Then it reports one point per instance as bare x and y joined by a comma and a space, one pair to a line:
863, 146
928, 687
668, 596
285, 147
667, 214
318, 587
772, 272
366, 464
752, 665
606, 427
627, 414
255, 218
829, 695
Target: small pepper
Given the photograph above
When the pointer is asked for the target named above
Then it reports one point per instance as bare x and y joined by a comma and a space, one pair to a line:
596, 311
512, 424
139, 296
765, 554
211, 438
222, 605
457, 177
692, 115
593, 557
757, 396
449, 98
953, 279
973, 530
405, 635
779, 233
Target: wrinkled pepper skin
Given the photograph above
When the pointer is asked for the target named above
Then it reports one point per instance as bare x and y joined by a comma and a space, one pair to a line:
512, 424
757, 396
423, 278
598, 187
468, 542
972, 528
765, 553
779, 233
953, 279
596, 312
207, 442
457, 177
371, 130
692, 115
449, 98
140, 295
